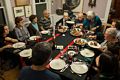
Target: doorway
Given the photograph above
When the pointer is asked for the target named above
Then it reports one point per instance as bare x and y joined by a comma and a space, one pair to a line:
115, 9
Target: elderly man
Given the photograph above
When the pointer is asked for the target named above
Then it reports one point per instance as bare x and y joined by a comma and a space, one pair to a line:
45, 21
40, 58
111, 42
80, 19
62, 22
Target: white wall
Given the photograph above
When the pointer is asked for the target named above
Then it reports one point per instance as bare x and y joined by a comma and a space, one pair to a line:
102, 8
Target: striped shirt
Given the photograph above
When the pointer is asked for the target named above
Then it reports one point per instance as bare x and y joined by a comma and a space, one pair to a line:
45, 23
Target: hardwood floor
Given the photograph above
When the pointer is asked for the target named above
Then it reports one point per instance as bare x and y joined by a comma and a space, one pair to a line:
11, 74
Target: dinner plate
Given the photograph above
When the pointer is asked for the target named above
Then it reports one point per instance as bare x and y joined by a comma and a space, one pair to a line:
45, 32
94, 44
70, 22
57, 64
34, 37
19, 45
79, 67
80, 41
76, 32
87, 53
26, 53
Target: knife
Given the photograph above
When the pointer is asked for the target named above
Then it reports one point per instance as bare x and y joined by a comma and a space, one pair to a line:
66, 66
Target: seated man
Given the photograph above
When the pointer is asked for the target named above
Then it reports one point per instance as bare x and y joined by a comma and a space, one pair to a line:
62, 22
45, 21
79, 21
40, 57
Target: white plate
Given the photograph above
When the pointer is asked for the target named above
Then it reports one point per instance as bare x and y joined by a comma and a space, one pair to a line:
70, 22
34, 37
57, 64
79, 41
63, 29
19, 45
91, 44
87, 53
26, 53
45, 32
79, 67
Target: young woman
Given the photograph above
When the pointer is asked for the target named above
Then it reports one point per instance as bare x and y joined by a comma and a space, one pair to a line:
20, 30
34, 27
107, 64
5, 45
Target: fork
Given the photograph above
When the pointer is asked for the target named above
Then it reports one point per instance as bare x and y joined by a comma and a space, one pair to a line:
75, 73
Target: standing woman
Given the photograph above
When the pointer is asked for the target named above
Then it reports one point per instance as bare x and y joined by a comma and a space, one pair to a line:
20, 30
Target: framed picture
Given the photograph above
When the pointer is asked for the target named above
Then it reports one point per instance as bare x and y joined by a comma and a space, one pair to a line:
28, 11
19, 11
22, 2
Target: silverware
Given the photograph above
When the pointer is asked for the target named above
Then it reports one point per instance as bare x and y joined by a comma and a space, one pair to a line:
66, 66
75, 73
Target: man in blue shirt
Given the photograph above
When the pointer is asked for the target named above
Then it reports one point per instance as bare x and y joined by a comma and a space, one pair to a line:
40, 57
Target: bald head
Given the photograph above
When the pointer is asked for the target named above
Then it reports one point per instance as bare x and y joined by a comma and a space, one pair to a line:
46, 13
66, 15
80, 16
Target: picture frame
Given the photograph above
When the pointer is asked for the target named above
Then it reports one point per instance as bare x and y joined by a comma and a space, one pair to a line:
22, 2
19, 11
28, 11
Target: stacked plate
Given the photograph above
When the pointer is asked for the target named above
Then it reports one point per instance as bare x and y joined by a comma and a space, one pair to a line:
26, 53
19, 45
45, 32
79, 67
34, 37
70, 22
87, 53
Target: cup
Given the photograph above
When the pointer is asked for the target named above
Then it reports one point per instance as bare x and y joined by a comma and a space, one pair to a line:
37, 39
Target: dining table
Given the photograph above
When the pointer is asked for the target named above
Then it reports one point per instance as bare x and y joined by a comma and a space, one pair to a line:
63, 43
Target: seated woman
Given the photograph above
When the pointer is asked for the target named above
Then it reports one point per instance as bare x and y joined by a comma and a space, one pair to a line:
107, 66
6, 43
94, 23
20, 30
34, 28
62, 22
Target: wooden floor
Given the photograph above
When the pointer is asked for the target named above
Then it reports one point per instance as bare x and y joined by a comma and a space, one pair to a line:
11, 74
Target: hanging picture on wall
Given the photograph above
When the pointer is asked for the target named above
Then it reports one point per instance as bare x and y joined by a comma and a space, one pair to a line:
19, 11
22, 2
28, 11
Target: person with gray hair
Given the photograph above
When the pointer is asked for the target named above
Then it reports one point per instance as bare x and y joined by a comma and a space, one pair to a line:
94, 23
45, 21
111, 40
62, 22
